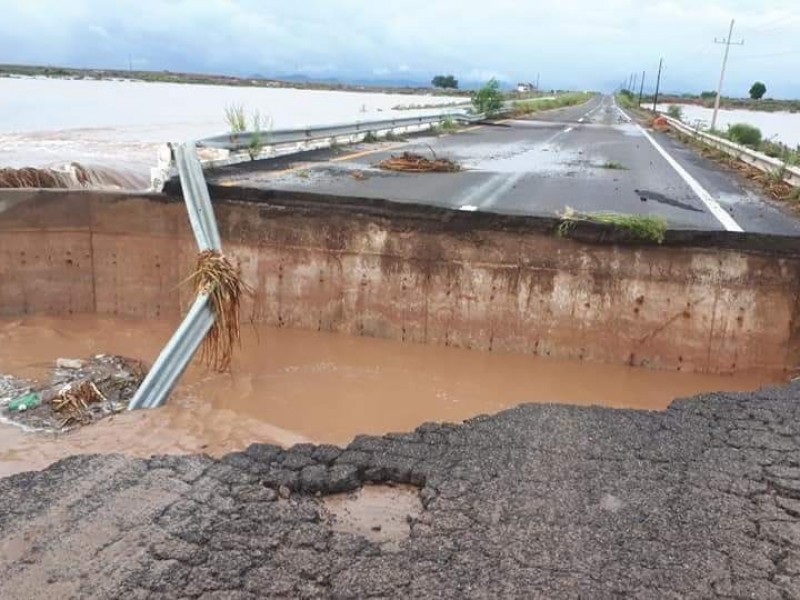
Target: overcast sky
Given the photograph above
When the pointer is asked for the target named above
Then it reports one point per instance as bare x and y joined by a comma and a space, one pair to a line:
591, 44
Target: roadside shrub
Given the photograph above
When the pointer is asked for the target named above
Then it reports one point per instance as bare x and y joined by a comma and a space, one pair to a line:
489, 99
745, 134
675, 111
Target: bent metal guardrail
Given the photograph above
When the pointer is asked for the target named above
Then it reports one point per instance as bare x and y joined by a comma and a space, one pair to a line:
768, 164
178, 353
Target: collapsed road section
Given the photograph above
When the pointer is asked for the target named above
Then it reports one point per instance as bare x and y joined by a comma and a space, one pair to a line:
707, 302
699, 500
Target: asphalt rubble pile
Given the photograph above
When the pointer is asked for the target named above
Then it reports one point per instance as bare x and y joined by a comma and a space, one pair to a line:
79, 392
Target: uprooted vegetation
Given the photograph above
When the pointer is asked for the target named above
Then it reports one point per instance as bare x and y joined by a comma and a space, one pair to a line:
218, 277
416, 163
642, 227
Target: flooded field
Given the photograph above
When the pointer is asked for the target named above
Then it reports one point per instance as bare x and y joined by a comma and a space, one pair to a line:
121, 124
780, 126
290, 386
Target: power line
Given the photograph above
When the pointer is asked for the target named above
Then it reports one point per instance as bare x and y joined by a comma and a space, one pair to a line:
727, 42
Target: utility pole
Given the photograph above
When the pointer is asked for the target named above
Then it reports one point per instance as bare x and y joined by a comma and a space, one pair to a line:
658, 83
130, 63
635, 81
641, 89
537, 82
727, 41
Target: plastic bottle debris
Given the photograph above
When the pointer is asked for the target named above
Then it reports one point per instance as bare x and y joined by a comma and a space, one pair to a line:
25, 402
69, 363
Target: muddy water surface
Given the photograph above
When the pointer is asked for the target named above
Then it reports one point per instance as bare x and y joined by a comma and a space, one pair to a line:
294, 386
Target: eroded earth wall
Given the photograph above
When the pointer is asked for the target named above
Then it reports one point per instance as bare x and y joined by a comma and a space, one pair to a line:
702, 302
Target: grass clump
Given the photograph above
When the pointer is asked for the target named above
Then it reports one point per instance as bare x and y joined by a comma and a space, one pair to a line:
448, 125
613, 164
257, 139
675, 111
236, 118
489, 99
745, 134
391, 136
370, 138
642, 227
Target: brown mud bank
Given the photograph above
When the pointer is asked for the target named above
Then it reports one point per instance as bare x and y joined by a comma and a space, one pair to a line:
704, 302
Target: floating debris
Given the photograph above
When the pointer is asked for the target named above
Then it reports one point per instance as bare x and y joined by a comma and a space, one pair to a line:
80, 392
416, 163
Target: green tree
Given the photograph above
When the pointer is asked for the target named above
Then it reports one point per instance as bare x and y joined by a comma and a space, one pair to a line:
489, 99
758, 90
445, 81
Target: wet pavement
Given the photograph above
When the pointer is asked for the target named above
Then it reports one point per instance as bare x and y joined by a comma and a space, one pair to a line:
589, 157
700, 501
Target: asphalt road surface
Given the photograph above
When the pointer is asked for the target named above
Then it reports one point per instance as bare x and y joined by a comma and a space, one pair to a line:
700, 501
540, 167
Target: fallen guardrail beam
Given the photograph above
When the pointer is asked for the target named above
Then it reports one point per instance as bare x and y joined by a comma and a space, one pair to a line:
790, 174
181, 348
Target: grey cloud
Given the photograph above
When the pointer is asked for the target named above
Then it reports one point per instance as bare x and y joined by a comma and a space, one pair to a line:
573, 43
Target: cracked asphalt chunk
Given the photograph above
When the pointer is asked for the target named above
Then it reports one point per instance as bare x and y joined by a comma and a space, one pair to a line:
699, 501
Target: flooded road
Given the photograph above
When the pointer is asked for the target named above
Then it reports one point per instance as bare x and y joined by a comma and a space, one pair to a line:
290, 386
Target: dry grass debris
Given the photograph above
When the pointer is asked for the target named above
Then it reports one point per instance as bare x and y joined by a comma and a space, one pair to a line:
217, 276
74, 399
416, 163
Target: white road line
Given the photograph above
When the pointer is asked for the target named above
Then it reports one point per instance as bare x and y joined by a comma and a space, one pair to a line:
491, 190
502, 189
472, 196
713, 206
624, 116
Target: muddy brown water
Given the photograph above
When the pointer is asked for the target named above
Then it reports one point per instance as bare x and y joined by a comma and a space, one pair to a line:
291, 386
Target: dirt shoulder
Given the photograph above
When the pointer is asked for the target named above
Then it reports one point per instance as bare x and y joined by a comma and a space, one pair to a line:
702, 500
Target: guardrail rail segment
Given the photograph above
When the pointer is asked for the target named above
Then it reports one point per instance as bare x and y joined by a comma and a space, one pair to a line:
768, 164
236, 147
